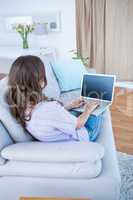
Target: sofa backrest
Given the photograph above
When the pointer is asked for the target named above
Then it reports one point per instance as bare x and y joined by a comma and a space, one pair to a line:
52, 89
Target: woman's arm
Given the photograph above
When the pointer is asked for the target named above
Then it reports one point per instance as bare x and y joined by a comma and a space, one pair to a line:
60, 119
82, 119
75, 104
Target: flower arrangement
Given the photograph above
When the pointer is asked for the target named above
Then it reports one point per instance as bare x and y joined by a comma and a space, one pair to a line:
24, 30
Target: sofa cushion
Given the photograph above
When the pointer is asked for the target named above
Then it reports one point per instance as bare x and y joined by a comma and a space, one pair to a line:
52, 89
83, 170
5, 140
66, 97
69, 74
54, 152
17, 133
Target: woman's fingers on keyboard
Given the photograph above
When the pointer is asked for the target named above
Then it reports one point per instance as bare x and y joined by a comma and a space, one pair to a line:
91, 106
94, 104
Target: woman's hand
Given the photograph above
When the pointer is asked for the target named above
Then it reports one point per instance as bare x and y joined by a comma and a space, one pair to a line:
75, 104
82, 119
91, 106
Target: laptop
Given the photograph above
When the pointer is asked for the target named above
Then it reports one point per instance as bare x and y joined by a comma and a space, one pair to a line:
100, 88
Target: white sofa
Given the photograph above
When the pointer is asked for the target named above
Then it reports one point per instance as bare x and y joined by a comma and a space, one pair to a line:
16, 181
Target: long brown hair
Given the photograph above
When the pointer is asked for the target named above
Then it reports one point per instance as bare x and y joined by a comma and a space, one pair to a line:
24, 85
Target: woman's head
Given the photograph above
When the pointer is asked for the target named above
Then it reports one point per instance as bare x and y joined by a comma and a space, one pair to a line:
26, 79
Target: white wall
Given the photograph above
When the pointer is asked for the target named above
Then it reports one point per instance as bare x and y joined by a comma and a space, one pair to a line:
63, 41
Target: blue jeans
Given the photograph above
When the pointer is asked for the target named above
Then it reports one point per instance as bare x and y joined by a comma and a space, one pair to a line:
93, 125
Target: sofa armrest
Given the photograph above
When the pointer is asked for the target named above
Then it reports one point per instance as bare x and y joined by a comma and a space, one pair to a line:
54, 152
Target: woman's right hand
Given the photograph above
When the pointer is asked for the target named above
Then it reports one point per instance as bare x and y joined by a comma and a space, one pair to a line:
91, 106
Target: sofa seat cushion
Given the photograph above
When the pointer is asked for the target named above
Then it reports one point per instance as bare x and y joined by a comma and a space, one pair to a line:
54, 152
66, 97
82, 170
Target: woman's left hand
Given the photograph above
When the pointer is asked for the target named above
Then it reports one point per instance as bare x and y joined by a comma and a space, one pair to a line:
77, 103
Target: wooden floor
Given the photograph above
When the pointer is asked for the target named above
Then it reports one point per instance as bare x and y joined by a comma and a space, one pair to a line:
122, 119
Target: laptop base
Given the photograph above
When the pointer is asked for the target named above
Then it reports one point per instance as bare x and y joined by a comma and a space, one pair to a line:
99, 110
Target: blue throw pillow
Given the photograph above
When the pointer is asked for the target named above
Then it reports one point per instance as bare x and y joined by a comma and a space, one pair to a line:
69, 74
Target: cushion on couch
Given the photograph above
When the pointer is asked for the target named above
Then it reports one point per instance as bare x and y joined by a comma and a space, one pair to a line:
67, 97
5, 140
17, 133
54, 152
52, 89
82, 170
69, 74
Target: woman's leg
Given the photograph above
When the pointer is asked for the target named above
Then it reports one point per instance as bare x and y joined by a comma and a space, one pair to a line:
93, 125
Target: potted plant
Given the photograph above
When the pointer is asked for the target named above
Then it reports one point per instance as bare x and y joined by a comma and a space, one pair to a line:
76, 56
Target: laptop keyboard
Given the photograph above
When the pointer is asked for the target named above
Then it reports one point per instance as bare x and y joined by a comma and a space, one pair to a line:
99, 109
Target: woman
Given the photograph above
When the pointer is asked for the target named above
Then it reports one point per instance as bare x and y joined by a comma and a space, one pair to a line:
46, 119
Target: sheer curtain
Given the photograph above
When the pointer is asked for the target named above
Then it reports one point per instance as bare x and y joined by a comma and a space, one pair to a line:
105, 35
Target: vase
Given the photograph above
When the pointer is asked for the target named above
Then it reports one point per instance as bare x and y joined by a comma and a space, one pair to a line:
25, 42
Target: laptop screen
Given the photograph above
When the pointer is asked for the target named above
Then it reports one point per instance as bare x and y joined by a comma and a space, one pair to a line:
98, 87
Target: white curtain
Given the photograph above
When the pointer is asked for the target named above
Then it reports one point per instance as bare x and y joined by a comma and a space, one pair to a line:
90, 31
119, 38
105, 34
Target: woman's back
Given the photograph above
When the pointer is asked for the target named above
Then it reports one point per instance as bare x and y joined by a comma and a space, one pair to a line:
52, 122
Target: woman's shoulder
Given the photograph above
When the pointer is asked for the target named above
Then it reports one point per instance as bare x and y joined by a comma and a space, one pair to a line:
47, 104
